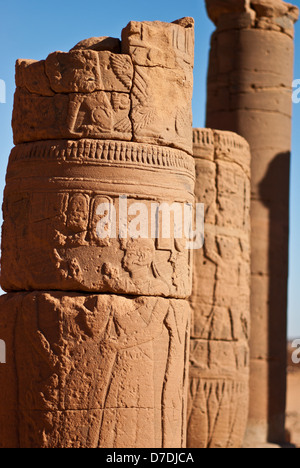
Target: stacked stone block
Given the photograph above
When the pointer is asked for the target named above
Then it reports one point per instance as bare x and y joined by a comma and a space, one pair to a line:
97, 327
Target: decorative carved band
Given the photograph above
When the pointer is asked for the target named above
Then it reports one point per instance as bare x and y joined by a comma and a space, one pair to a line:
231, 141
224, 140
203, 137
104, 152
215, 145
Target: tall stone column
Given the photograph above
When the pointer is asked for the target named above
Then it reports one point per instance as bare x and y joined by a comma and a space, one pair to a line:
219, 370
96, 321
249, 92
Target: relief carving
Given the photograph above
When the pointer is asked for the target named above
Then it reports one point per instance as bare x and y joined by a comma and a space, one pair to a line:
62, 232
112, 95
106, 367
219, 373
104, 363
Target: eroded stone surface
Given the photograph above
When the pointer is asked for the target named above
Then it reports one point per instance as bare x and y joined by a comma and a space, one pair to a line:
100, 43
77, 71
31, 75
268, 15
50, 238
99, 115
86, 71
249, 92
92, 130
163, 61
219, 374
218, 8
90, 92
93, 371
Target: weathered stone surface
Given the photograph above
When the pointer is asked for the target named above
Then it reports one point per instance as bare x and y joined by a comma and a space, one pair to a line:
163, 56
157, 44
77, 71
86, 71
99, 115
99, 43
97, 157
249, 92
90, 371
219, 374
274, 9
218, 400
94, 93
8, 374
219, 8
50, 236
153, 121
274, 15
31, 75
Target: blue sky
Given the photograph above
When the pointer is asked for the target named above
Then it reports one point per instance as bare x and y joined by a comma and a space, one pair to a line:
34, 28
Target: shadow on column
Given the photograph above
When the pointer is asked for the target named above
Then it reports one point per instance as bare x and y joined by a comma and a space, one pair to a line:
274, 193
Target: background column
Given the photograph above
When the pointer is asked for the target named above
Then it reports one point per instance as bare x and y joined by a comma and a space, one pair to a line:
219, 369
249, 92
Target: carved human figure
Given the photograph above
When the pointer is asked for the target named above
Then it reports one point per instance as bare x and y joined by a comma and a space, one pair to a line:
102, 371
219, 371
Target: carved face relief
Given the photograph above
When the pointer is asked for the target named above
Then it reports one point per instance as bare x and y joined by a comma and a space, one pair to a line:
76, 71
139, 253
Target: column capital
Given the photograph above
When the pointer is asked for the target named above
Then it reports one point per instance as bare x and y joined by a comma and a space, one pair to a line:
218, 8
271, 9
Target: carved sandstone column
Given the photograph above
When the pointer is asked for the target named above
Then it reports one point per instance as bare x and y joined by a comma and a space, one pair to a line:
96, 320
219, 373
249, 92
